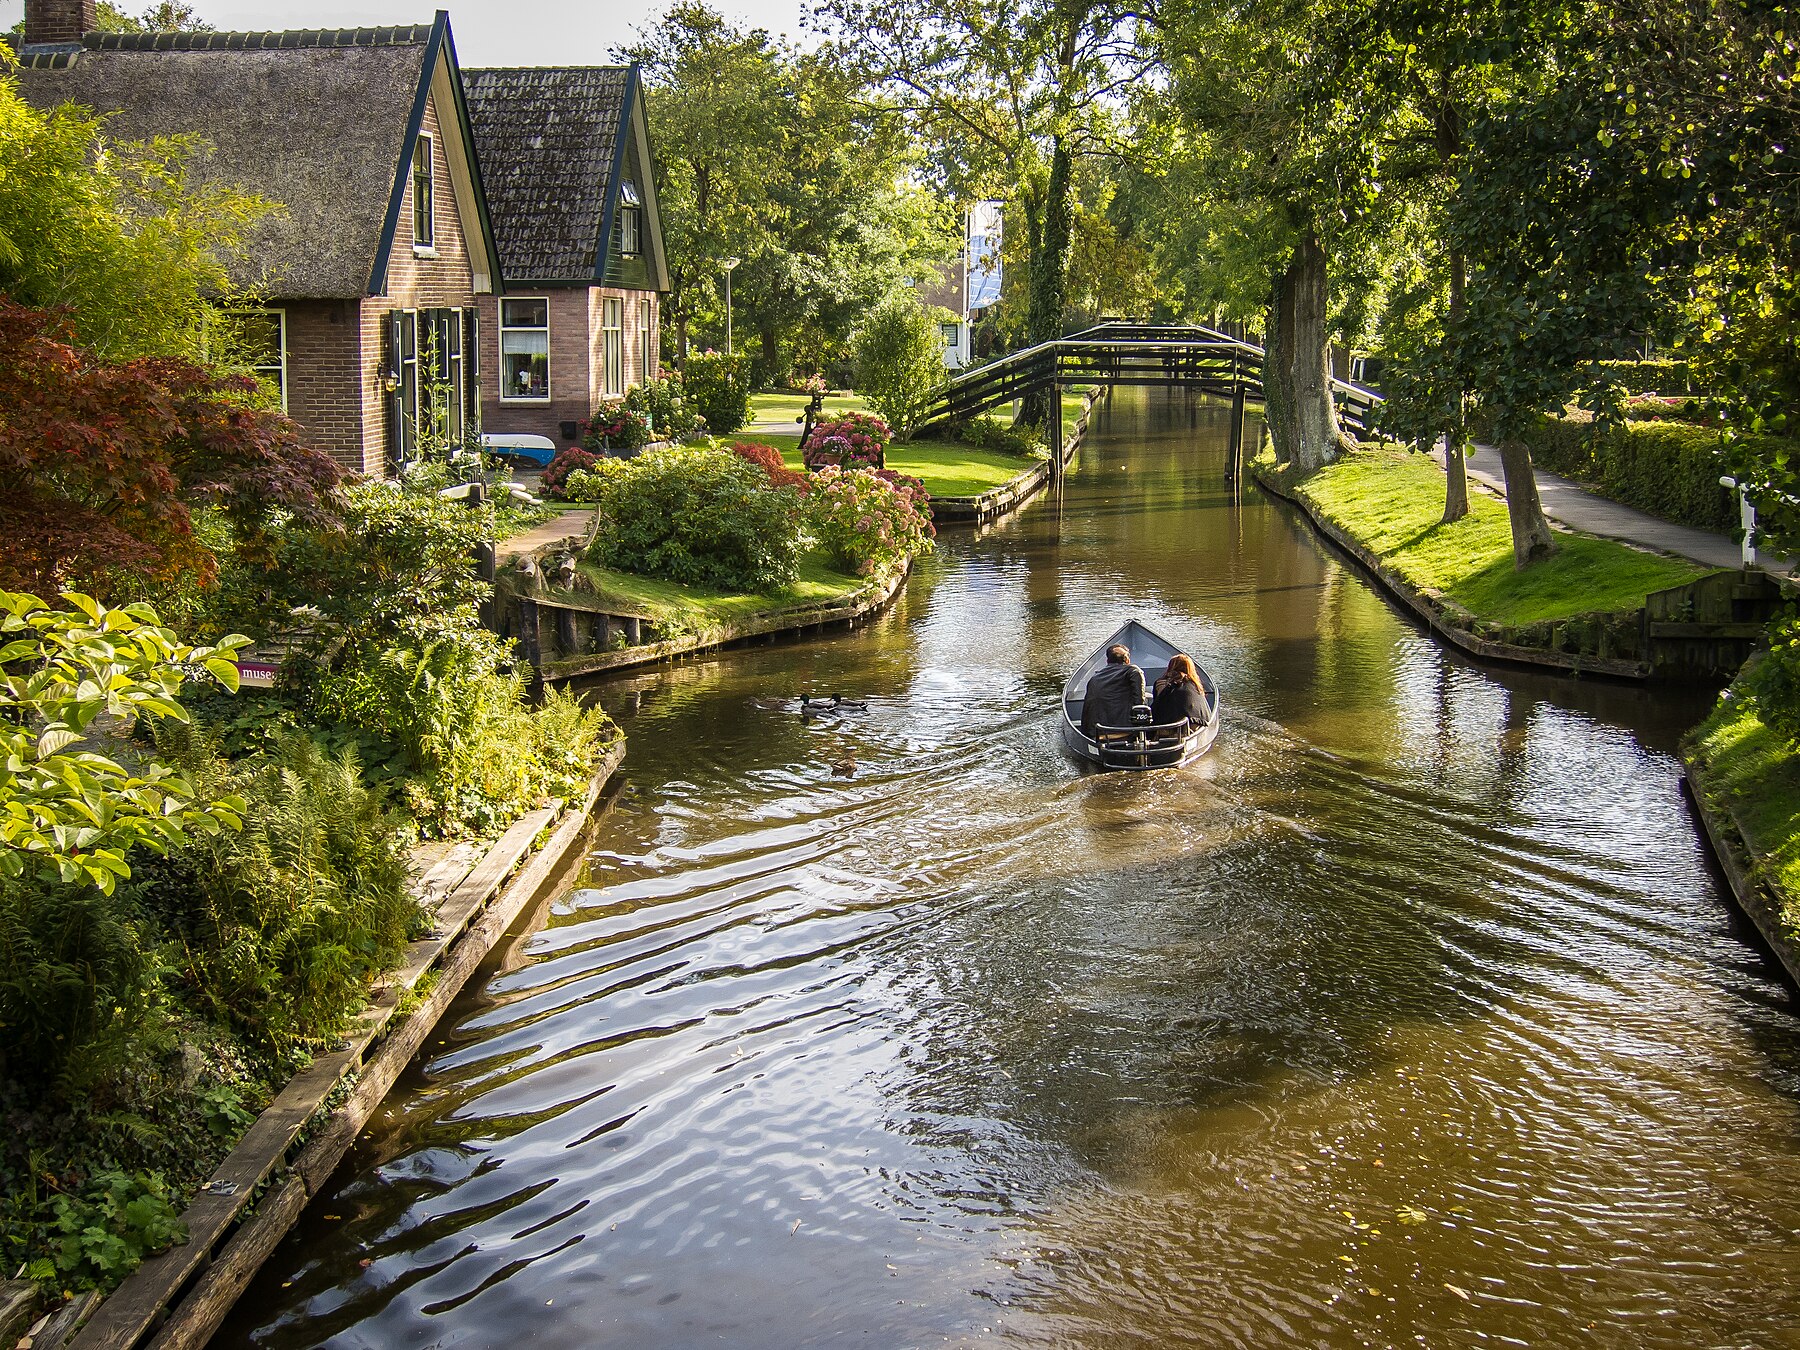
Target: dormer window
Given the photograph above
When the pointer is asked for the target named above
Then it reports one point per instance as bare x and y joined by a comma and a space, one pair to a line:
424, 234
631, 207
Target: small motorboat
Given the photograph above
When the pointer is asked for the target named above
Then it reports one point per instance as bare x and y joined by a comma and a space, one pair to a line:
1143, 744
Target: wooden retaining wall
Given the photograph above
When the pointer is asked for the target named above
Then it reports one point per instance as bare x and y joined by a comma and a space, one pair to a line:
1016, 492
1730, 848
178, 1299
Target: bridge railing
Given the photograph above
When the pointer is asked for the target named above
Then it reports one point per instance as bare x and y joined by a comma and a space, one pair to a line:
1127, 353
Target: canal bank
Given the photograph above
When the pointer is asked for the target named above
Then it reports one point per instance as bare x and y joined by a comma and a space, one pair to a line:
969, 1044
1598, 607
472, 895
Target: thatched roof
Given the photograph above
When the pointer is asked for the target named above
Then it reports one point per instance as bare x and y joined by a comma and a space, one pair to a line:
548, 139
317, 121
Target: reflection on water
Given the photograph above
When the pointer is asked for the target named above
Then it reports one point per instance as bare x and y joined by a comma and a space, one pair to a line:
1410, 1016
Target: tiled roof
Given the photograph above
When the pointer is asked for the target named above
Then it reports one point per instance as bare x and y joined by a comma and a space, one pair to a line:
313, 120
546, 138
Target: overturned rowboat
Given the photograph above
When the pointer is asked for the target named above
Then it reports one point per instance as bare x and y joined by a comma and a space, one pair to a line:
1144, 744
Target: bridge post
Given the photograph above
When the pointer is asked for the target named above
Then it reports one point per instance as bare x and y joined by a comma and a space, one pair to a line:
1054, 433
1234, 454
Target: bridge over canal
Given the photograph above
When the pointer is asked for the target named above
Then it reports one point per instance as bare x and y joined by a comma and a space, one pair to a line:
1126, 352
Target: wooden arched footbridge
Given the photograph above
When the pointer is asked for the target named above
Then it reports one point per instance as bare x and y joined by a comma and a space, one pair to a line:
1129, 353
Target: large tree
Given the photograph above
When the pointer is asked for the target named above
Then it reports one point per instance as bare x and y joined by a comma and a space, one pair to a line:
1011, 98
770, 155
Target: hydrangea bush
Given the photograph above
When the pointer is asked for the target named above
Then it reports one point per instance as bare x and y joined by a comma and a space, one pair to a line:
616, 425
868, 520
853, 440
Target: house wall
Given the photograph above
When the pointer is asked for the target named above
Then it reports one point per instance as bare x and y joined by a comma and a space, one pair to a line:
415, 280
577, 353
324, 382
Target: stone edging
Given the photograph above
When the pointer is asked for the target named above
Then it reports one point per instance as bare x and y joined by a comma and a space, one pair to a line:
1433, 616
1730, 847
289, 1152
1015, 492
856, 607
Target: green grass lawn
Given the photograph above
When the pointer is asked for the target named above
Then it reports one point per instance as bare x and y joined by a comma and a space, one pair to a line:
786, 408
946, 468
1392, 500
698, 608
1755, 773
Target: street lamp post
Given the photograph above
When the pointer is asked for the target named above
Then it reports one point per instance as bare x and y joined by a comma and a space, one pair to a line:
730, 266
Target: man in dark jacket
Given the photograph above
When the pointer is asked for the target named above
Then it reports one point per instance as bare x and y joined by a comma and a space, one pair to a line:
1113, 692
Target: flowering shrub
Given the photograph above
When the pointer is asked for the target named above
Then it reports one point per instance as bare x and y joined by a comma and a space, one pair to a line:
557, 474
587, 484
616, 425
867, 521
697, 515
853, 440
768, 459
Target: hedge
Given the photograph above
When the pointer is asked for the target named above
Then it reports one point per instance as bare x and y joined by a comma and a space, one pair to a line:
1651, 376
1670, 469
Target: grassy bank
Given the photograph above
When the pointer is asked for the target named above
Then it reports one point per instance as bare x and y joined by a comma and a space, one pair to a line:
1393, 501
787, 408
699, 609
944, 467
1750, 773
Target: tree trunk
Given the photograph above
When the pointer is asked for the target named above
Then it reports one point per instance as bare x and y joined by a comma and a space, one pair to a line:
1316, 431
1532, 539
1049, 273
1278, 368
1456, 438
771, 353
1456, 478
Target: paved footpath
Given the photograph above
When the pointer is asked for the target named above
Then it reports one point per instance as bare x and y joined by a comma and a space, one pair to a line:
568, 524
1568, 503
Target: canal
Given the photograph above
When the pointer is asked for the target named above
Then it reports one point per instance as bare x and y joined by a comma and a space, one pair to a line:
1412, 1016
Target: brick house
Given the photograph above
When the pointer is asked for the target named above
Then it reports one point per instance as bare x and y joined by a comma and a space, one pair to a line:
368, 275
565, 160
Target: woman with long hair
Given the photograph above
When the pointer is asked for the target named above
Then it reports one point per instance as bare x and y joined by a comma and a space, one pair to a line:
1180, 695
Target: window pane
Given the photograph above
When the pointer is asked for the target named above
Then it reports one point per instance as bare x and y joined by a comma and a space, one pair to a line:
421, 167
525, 365
628, 231
525, 313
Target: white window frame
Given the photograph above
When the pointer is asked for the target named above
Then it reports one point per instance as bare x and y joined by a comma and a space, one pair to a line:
505, 328
612, 346
428, 244
631, 221
281, 346
646, 341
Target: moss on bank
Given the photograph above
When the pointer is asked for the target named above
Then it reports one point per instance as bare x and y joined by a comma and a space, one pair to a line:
1751, 774
1392, 501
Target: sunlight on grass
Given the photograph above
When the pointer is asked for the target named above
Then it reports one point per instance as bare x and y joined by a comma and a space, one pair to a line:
699, 607
1755, 772
786, 408
1392, 500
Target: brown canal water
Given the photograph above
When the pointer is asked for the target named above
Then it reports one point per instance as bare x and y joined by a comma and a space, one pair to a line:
1412, 1016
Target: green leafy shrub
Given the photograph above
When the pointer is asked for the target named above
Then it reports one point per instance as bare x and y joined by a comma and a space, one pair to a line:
1659, 376
670, 409
67, 812
867, 521
1670, 469
719, 387
1775, 680
988, 433
281, 926
899, 351
105, 1232
695, 515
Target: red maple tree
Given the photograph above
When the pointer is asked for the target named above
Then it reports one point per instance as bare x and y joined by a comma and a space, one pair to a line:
102, 463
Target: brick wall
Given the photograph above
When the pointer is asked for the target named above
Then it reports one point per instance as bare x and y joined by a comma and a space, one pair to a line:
440, 277
324, 360
577, 354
